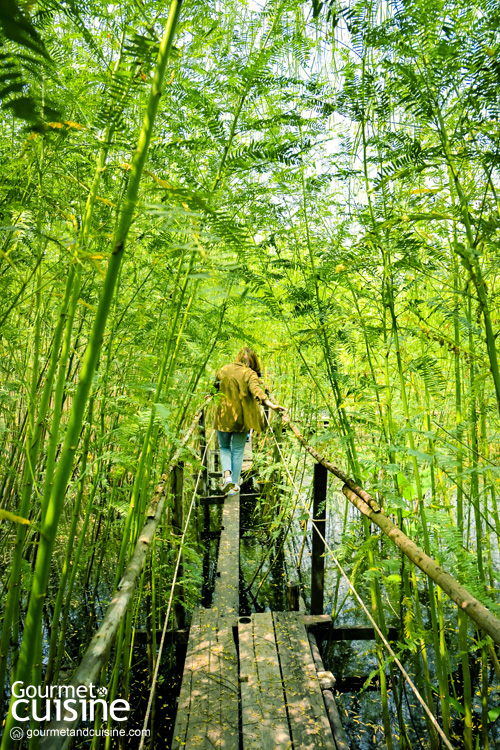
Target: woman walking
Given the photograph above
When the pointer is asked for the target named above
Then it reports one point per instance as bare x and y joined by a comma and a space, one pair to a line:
238, 412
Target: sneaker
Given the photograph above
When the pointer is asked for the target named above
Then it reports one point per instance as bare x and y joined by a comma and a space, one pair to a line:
234, 491
227, 484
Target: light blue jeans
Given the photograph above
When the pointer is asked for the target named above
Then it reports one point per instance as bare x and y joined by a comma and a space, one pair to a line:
232, 448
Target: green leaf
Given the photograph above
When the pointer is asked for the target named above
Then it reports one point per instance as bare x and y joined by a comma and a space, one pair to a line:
493, 714
393, 578
456, 705
405, 487
19, 29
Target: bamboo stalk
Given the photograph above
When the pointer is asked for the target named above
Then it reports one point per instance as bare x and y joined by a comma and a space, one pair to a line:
66, 569
136, 510
443, 685
469, 255
378, 616
462, 620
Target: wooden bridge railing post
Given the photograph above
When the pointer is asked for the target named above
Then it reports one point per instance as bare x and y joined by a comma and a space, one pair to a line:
318, 545
203, 491
203, 455
177, 526
292, 596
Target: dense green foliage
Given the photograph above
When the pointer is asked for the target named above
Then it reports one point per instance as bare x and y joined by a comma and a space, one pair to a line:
322, 183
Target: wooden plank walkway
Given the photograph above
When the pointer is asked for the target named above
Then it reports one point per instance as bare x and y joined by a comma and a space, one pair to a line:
273, 686
264, 716
207, 713
309, 725
227, 584
281, 700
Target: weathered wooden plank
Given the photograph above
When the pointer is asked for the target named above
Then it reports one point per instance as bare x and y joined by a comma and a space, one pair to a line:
358, 633
223, 729
226, 594
309, 725
264, 717
313, 621
201, 697
323, 625
193, 657
327, 681
341, 740
207, 714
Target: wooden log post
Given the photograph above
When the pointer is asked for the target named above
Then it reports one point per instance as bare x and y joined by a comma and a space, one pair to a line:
203, 485
318, 545
203, 456
292, 596
327, 682
177, 526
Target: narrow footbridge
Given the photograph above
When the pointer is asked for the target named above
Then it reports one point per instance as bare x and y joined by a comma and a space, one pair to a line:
259, 681
255, 682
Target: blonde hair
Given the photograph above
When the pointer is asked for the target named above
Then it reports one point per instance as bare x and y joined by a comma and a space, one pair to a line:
248, 357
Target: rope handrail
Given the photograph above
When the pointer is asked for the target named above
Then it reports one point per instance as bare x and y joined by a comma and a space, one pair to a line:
364, 502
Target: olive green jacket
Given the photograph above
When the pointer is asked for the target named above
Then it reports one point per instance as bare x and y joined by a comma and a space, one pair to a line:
241, 393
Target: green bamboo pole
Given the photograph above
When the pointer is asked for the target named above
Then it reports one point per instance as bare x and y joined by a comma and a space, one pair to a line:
32, 449
462, 619
443, 684
330, 364
377, 611
163, 390
486, 484
65, 572
197, 374
423, 650
474, 480
59, 393
63, 473
491, 484
405, 599
152, 625
34, 741
485, 743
